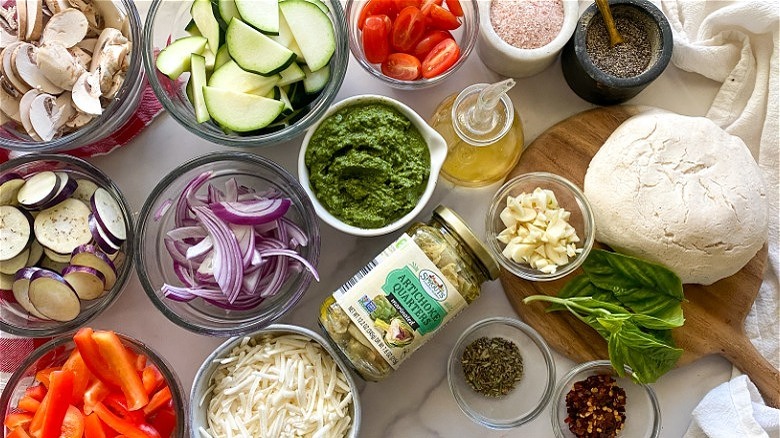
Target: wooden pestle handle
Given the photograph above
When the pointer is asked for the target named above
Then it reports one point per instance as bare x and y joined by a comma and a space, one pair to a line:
741, 352
614, 35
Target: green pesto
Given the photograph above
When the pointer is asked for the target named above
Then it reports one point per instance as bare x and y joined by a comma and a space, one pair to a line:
368, 165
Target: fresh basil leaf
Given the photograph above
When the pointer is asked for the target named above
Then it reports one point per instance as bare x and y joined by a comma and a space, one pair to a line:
651, 322
641, 286
648, 356
581, 286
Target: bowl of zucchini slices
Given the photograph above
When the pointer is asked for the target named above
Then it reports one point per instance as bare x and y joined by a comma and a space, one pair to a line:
65, 255
244, 73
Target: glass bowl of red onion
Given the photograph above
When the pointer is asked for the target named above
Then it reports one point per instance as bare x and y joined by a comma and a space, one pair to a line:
227, 243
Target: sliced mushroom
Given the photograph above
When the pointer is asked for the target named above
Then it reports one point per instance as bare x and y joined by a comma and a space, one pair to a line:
58, 65
112, 16
109, 57
67, 28
86, 94
21, 17
27, 68
7, 26
66, 109
87, 44
34, 19
81, 56
44, 116
8, 69
9, 105
93, 18
77, 121
24, 112
57, 6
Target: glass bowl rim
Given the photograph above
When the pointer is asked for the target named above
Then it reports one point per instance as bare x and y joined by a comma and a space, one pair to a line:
549, 363
252, 142
135, 71
587, 240
200, 381
567, 380
146, 213
419, 84
123, 275
171, 378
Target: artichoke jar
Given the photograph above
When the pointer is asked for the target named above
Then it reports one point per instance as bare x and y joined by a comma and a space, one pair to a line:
406, 294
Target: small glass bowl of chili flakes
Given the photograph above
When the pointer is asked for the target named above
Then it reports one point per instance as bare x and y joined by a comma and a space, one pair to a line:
593, 401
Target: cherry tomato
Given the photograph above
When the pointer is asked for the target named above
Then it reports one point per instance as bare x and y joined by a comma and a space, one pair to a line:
376, 7
429, 41
441, 58
440, 18
401, 66
408, 29
376, 38
400, 4
455, 7
426, 6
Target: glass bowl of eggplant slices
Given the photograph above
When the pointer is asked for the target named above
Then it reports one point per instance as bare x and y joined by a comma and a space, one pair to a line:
66, 252
227, 243
246, 73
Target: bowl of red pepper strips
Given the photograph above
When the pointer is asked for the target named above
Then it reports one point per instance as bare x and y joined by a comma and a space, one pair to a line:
95, 383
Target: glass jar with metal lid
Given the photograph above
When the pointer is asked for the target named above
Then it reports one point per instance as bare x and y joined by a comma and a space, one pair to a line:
406, 294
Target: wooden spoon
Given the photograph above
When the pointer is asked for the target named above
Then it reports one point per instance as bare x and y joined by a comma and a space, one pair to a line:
614, 36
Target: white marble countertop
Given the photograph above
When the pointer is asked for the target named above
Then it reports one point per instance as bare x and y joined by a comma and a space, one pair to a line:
416, 400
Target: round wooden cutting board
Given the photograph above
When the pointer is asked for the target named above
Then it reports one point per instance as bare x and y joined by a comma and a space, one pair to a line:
714, 315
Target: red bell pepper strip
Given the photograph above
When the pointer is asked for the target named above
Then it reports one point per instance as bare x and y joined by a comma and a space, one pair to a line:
17, 419
60, 392
28, 404
17, 433
38, 417
90, 353
37, 392
152, 378
158, 400
76, 365
119, 364
43, 375
93, 427
96, 392
140, 362
124, 427
164, 420
117, 404
72, 424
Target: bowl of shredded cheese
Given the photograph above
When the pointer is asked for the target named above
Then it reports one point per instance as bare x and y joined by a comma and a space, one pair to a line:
281, 381
540, 226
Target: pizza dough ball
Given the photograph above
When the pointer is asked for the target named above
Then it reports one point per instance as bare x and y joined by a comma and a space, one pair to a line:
681, 192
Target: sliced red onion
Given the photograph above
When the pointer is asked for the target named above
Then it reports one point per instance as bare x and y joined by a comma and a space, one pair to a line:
162, 209
251, 212
234, 248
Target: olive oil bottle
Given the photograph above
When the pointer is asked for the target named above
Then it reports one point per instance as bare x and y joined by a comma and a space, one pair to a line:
483, 132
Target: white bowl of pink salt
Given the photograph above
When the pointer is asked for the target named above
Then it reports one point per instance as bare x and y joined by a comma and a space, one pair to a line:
522, 38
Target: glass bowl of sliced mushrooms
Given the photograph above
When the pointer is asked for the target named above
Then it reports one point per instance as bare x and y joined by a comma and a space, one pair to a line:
70, 71
540, 226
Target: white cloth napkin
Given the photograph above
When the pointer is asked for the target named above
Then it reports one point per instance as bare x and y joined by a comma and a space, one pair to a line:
736, 43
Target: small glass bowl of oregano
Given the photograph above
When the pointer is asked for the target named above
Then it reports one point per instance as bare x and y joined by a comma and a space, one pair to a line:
501, 373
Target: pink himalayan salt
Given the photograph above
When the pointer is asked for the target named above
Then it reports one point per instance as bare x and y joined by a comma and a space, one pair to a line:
527, 24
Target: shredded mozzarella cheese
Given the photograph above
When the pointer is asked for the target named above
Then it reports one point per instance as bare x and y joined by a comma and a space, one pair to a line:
282, 386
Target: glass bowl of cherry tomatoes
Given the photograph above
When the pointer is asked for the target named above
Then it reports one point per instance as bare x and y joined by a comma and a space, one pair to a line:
412, 44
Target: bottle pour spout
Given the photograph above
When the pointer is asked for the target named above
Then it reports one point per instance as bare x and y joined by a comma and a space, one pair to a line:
482, 115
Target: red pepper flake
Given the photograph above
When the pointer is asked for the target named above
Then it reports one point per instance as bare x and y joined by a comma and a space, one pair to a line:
596, 407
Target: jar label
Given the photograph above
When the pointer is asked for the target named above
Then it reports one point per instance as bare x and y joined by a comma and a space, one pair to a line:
399, 300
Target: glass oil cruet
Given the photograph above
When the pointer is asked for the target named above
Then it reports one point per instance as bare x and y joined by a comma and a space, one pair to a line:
483, 132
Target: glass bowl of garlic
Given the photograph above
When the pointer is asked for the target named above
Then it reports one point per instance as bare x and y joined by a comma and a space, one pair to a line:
539, 226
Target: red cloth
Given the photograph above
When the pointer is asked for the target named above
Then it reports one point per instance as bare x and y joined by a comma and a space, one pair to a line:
147, 110
13, 351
